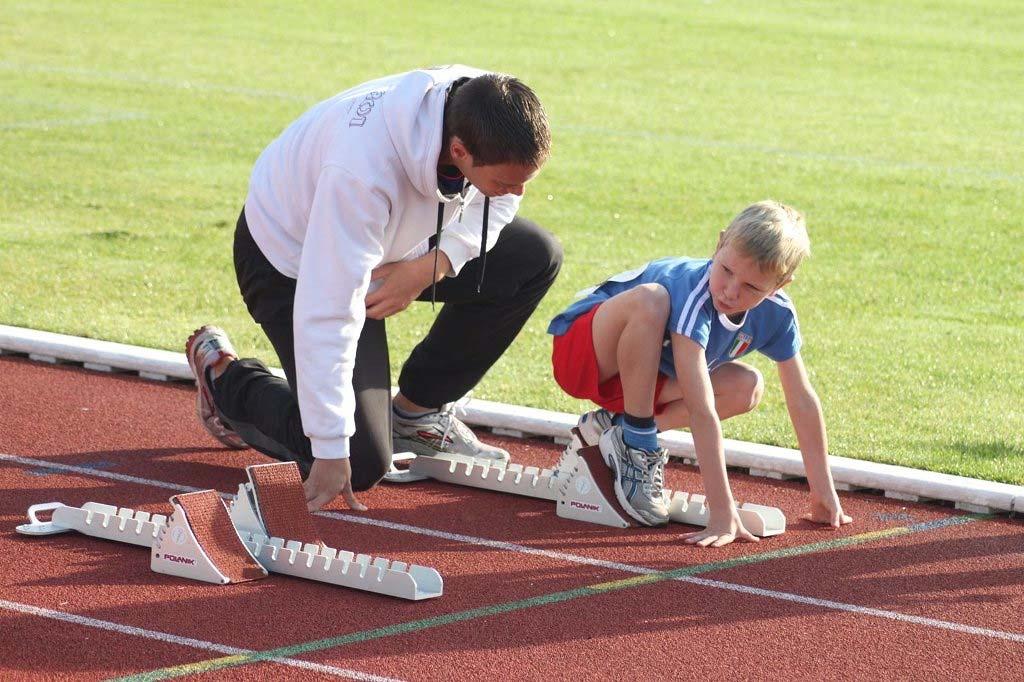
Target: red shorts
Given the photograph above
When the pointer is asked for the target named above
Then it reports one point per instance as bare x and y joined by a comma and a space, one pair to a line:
575, 367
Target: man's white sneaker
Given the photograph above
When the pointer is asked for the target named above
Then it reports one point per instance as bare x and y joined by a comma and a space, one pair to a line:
205, 348
439, 433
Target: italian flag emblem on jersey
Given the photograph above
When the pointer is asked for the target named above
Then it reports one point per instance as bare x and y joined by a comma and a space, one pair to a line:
740, 345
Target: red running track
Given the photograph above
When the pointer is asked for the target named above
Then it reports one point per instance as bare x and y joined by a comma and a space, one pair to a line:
943, 602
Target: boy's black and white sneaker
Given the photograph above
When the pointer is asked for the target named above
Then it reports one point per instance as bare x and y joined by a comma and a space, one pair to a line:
205, 348
639, 478
438, 433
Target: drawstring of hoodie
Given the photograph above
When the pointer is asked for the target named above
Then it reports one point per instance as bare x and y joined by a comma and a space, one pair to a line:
437, 245
483, 245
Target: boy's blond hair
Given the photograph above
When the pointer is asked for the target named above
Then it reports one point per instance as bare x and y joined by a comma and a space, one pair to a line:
772, 234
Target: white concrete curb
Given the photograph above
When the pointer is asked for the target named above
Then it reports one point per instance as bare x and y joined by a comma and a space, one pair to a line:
901, 483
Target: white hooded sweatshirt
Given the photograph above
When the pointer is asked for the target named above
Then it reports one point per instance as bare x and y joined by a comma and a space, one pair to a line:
350, 185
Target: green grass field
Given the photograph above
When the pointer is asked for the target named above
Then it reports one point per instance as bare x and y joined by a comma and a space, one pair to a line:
127, 132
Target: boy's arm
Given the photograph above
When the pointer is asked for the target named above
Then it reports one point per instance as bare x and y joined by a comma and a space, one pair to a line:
692, 374
809, 424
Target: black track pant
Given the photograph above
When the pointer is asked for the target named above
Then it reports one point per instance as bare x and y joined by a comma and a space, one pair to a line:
469, 335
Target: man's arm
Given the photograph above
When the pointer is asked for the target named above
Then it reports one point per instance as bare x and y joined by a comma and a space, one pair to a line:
692, 374
809, 425
343, 243
402, 282
460, 240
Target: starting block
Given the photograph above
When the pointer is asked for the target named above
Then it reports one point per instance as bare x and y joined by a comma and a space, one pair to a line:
192, 543
200, 543
587, 492
761, 520
579, 494
582, 487
204, 540
259, 517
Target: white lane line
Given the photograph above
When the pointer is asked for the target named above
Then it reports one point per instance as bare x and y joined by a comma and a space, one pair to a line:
182, 641
863, 610
109, 475
571, 558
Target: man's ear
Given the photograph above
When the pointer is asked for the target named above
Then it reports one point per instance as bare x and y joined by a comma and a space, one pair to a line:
458, 152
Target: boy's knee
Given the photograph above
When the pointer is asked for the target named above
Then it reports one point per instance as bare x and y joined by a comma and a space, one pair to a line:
755, 388
650, 304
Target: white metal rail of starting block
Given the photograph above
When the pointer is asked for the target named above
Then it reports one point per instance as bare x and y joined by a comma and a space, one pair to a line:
573, 486
326, 564
486, 474
174, 538
98, 520
174, 548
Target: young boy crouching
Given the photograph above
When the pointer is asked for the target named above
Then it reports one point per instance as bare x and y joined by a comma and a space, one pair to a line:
659, 348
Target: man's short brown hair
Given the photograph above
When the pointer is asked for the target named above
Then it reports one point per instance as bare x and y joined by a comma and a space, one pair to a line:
500, 120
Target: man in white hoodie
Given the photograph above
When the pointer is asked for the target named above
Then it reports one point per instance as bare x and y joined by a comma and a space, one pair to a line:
400, 189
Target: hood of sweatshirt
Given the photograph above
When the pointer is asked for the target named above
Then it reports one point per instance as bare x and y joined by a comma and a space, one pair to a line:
417, 138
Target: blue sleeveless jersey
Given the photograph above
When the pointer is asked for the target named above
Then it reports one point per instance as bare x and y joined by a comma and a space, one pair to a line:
771, 327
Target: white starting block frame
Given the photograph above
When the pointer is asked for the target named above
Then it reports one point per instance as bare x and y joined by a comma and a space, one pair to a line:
174, 537
574, 490
326, 564
487, 474
572, 486
174, 548
103, 521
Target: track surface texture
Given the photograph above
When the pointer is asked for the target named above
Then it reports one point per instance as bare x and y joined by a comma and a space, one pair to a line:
909, 591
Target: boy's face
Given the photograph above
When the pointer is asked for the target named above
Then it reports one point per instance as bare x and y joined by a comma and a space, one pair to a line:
494, 180
737, 283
